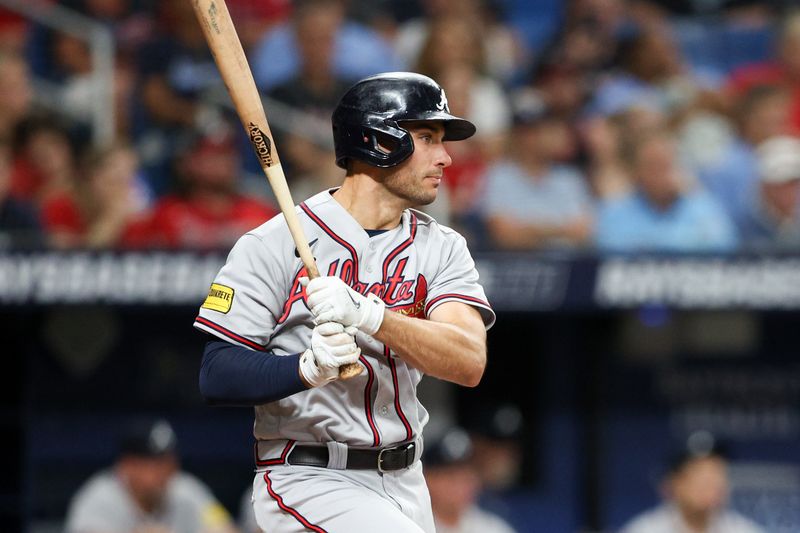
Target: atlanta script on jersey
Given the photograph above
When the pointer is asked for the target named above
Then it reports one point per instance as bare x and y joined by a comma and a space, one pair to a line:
257, 301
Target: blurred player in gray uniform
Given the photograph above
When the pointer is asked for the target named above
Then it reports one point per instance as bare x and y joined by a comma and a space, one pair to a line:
696, 490
454, 485
145, 492
399, 294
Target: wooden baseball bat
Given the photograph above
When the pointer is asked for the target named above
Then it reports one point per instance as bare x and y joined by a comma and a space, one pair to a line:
232, 64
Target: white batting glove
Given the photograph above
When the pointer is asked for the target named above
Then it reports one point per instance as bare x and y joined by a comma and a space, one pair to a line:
332, 345
331, 300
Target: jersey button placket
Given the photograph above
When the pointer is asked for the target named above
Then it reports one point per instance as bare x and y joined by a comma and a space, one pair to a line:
368, 257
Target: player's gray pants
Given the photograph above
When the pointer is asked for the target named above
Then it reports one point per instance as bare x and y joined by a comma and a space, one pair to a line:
290, 499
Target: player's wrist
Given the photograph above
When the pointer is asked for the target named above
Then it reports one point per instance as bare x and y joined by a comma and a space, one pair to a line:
372, 316
312, 374
306, 383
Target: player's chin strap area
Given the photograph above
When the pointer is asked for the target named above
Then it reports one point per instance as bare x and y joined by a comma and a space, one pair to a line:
339, 456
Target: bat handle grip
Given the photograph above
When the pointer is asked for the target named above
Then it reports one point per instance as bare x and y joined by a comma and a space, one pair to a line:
349, 370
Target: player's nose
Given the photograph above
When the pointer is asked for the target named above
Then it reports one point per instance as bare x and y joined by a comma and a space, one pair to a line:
443, 158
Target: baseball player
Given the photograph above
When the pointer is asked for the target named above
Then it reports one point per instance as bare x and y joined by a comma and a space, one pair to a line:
399, 294
145, 491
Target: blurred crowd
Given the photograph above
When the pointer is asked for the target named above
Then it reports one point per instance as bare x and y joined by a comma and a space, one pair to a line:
615, 125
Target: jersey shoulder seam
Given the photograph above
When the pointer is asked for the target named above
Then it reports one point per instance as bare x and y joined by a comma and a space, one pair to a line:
272, 229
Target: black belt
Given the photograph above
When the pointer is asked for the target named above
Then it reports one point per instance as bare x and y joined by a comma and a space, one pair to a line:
384, 460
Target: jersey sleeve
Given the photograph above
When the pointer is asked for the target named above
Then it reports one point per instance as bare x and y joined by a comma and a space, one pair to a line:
457, 280
243, 301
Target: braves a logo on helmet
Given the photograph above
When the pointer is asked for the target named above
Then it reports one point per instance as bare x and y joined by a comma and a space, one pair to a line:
442, 105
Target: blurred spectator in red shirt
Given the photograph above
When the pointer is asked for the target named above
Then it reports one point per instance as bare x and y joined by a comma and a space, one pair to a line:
96, 211
783, 69
44, 159
253, 19
208, 212
13, 31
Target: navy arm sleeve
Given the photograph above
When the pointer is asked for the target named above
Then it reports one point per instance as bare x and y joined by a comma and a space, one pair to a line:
233, 375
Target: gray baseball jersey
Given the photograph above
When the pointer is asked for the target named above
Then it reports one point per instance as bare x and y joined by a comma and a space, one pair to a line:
476, 520
103, 504
257, 301
667, 519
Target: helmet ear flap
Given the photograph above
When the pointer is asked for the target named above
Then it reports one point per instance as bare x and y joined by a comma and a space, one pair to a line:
380, 145
389, 145
380, 142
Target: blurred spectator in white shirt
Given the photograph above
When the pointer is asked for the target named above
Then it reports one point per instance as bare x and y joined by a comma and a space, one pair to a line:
774, 209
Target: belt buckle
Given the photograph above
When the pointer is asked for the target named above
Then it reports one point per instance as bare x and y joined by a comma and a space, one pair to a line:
405, 447
380, 460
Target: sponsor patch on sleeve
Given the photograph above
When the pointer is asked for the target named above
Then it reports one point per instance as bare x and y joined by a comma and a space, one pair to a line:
215, 516
219, 298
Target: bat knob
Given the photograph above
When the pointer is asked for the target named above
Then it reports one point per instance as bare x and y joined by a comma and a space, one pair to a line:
350, 370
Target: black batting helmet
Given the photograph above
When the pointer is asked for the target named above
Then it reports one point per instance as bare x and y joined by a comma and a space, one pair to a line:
374, 109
